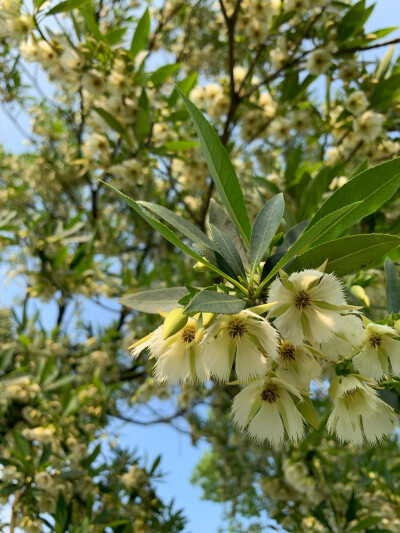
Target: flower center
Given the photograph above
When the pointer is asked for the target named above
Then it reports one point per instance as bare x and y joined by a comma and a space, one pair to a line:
188, 334
302, 300
375, 340
287, 351
270, 394
237, 327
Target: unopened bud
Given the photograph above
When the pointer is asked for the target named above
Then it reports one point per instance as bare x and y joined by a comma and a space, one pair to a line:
174, 322
360, 294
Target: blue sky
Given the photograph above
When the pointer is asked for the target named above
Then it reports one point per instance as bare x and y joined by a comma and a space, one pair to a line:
179, 456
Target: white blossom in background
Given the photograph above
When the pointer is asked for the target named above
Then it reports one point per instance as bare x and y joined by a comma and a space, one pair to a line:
319, 61
368, 126
246, 338
267, 409
381, 343
309, 306
356, 102
358, 412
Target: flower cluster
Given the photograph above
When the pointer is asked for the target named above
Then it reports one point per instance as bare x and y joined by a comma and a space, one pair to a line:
275, 358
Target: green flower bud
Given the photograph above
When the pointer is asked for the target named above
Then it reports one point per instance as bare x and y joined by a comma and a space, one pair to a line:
174, 322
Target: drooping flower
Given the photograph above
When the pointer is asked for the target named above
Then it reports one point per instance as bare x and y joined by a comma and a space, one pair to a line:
356, 102
380, 345
246, 338
344, 343
296, 365
358, 411
179, 357
310, 305
266, 407
368, 126
319, 61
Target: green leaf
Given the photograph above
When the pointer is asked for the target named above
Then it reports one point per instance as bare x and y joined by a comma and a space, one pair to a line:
142, 125
90, 22
68, 5
163, 73
61, 514
185, 85
346, 255
306, 408
113, 123
265, 226
312, 193
178, 146
181, 224
353, 20
228, 250
310, 237
387, 90
366, 523
170, 235
373, 188
22, 443
139, 39
218, 217
149, 301
352, 507
216, 302
221, 170
115, 36
392, 286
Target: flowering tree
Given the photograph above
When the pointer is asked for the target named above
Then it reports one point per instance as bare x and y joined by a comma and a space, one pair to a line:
254, 142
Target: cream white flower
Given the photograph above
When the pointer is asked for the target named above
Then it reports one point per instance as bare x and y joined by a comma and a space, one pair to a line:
356, 102
179, 358
245, 335
310, 306
368, 126
296, 365
280, 129
267, 408
358, 412
344, 343
319, 61
381, 343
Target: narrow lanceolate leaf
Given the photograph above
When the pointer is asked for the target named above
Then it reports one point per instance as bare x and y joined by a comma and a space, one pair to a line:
216, 302
311, 237
113, 123
346, 255
68, 5
153, 300
168, 234
188, 229
228, 250
219, 218
372, 188
139, 40
221, 170
392, 286
265, 225
163, 73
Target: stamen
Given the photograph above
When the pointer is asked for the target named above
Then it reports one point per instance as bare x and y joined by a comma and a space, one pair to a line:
302, 300
188, 334
287, 351
270, 394
237, 327
375, 340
